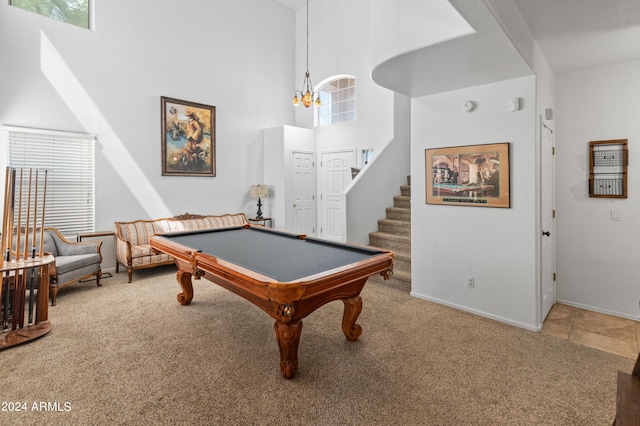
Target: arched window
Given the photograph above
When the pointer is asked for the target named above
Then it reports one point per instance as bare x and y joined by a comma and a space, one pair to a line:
338, 101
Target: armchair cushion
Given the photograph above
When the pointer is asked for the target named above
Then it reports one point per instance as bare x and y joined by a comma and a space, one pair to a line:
70, 263
75, 249
73, 261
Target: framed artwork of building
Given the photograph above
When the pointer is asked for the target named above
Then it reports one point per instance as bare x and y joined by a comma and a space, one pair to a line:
474, 175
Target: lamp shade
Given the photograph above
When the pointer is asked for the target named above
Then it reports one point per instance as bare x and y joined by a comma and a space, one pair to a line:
259, 191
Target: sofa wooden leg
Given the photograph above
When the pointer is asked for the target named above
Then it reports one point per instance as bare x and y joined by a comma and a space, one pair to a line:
53, 291
130, 271
98, 279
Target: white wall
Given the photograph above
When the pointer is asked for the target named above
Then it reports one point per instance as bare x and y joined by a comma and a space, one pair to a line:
496, 246
339, 44
109, 82
400, 26
597, 258
372, 191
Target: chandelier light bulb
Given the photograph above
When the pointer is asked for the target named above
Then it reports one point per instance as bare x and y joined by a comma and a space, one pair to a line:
306, 99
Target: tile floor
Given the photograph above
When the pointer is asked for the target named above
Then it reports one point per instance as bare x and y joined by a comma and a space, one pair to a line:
608, 333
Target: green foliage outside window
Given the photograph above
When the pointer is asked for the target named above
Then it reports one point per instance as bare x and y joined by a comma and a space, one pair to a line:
74, 12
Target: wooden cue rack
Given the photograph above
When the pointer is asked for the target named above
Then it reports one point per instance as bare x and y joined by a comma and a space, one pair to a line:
24, 294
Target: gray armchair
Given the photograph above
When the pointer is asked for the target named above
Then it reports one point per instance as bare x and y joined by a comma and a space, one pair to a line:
74, 261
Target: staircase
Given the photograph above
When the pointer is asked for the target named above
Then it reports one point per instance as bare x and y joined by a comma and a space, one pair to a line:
394, 233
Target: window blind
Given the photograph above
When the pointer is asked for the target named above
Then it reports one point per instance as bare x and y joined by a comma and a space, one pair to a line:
69, 162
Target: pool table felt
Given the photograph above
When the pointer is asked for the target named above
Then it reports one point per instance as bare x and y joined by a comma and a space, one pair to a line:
281, 256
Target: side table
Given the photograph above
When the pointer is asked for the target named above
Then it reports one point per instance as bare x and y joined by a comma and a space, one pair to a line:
263, 220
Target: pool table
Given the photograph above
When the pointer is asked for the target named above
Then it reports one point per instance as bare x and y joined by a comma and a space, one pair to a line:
286, 275
457, 190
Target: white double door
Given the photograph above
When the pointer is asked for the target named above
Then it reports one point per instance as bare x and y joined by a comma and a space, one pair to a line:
335, 176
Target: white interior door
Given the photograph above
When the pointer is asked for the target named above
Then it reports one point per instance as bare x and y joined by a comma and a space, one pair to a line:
336, 175
303, 193
548, 296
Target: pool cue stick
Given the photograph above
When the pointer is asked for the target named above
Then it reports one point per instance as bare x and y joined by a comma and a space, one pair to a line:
44, 202
41, 314
12, 199
33, 247
5, 213
5, 216
19, 226
35, 215
19, 276
25, 253
12, 210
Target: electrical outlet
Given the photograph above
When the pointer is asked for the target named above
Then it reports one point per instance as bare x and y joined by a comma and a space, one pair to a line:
471, 282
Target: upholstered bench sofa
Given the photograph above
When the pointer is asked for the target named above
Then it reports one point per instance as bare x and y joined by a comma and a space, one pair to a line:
133, 249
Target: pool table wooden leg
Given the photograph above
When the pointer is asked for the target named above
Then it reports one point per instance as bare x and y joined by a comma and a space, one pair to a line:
288, 336
352, 309
184, 279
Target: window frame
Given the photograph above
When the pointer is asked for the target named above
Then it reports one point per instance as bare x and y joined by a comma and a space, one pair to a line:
347, 105
71, 195
51, 15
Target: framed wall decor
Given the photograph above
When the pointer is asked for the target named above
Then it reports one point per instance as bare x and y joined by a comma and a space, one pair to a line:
474, 175
188, 138
608, 162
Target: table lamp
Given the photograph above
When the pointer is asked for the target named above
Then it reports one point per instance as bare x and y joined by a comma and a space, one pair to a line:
259, 191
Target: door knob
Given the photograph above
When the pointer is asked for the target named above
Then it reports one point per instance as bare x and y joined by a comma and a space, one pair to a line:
546, 233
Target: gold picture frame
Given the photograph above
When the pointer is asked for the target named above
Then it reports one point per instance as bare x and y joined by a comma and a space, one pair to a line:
188, 138
474, 175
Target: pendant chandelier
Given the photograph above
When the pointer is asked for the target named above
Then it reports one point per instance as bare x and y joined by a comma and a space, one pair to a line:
307, 95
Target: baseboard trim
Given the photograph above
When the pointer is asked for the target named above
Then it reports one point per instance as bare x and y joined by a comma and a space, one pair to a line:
479, 313
599, 310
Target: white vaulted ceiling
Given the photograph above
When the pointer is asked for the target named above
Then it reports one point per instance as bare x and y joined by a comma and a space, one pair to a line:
581, 34
571, 34
484, 56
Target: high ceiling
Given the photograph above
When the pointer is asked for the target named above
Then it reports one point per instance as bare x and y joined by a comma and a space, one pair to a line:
483, 57
576, 34
581, 34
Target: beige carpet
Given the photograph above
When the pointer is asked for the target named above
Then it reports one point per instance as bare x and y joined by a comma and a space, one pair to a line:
130, 354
